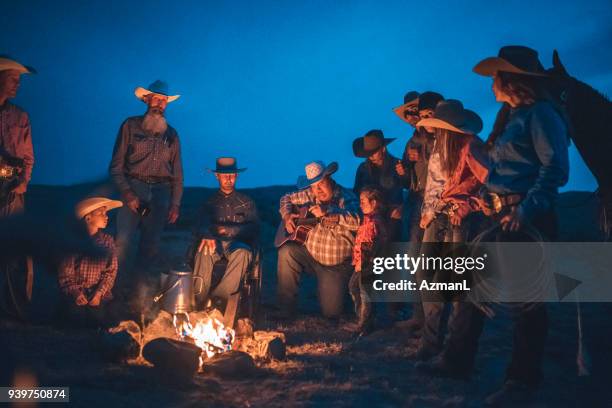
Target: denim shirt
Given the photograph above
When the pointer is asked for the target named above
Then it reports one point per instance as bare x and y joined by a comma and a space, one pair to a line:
531, 157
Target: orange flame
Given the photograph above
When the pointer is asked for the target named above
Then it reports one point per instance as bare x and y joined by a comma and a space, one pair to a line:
209, 334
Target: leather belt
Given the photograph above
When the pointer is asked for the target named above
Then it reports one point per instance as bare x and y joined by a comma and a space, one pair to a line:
151, 179
497, 202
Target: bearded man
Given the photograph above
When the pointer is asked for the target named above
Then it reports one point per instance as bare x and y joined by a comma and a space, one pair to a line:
146, 168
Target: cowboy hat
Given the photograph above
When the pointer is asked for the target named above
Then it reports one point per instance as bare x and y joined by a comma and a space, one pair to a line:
450, 114
429, 100
369, 144
227, 165
157, 87
9, 64
512, 58
315, 172
90, 205
411, 100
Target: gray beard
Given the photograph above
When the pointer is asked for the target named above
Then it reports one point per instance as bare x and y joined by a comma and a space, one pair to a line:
154, 124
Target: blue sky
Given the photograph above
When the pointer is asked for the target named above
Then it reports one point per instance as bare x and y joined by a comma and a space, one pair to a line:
275, 83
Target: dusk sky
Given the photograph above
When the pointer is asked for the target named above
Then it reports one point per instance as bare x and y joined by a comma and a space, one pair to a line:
274, 83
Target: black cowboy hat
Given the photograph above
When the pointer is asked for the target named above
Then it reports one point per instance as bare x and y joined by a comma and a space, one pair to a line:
450, 114
370, 143
227, 165
516, 59
429, 100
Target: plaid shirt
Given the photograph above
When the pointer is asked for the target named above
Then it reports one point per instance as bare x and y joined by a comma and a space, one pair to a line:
81, 274
138, 154
16, 136
328, 243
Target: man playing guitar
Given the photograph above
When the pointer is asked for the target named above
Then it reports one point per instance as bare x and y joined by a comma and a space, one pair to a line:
327, 245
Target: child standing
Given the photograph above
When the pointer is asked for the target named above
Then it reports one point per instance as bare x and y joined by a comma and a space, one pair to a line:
371, 237
86, 282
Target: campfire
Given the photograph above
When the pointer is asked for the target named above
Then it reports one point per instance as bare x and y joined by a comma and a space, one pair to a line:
196, 342
209, 334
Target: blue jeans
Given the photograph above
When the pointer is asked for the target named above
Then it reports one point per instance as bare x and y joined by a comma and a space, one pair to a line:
462, 316
293, 260
151, 226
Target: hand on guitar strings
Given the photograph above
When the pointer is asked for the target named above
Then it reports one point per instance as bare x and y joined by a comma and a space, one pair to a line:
289, 222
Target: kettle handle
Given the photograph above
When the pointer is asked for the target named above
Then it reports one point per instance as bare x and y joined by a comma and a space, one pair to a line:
163, 292
198, 291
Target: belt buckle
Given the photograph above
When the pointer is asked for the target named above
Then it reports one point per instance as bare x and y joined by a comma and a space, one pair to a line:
6, 171
494, 201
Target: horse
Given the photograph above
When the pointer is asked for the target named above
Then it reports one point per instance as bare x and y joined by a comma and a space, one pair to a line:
589, 113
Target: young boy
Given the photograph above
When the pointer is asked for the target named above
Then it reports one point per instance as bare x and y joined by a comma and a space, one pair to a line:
86, 282
371, 237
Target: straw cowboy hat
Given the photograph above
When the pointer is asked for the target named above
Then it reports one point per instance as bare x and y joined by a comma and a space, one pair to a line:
512, 58
9, 64
315, 172
411, 101
450, 114
92, 204
158, 87
369, 144
227, 165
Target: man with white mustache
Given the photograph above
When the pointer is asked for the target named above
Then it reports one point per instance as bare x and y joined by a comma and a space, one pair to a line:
146, 168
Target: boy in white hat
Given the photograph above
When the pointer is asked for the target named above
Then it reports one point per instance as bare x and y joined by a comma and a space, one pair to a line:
86, 282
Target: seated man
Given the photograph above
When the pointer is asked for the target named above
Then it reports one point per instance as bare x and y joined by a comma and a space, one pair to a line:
327, 250
228, 227
86, 282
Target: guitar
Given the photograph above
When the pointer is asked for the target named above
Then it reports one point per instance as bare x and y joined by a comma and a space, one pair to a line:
304, 223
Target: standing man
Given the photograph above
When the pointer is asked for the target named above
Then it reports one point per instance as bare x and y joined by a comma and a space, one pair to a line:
16, 162
228, 227
146, 168
328, 248
379, 170
413, 170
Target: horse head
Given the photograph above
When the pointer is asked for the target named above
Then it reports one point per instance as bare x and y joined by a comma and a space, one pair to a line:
560, 81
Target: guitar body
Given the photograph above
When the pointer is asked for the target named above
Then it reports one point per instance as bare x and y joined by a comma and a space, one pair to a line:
304, 224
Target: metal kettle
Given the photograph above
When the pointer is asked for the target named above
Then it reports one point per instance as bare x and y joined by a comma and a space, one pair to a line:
177, 294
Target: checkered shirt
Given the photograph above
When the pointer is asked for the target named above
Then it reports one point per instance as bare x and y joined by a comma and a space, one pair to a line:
81, 274
138, 154
329, 243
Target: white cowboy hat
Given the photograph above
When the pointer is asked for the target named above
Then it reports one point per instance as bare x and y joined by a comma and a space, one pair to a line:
315, 172
89, 205
157, 87
9, 64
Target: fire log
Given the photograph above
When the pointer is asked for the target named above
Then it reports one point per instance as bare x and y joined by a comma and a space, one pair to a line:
173, 357
265, 345
230, 364
121, 342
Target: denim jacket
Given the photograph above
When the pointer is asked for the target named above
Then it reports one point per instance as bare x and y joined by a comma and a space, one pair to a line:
531, 157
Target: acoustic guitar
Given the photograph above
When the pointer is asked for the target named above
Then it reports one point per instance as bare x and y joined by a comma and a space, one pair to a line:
304, 223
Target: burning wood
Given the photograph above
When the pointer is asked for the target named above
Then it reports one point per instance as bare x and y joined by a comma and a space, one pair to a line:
203, 331
209, 333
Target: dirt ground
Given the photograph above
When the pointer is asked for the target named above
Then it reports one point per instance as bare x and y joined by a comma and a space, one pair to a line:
324, 367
